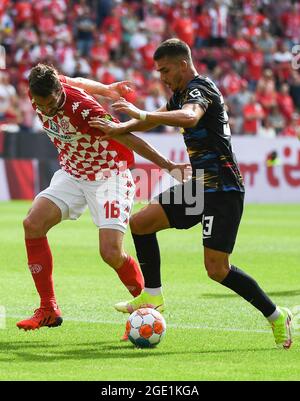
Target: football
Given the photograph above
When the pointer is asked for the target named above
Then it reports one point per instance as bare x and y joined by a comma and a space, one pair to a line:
145, 327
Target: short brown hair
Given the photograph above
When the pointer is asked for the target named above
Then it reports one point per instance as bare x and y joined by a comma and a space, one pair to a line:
43, 80
172, 48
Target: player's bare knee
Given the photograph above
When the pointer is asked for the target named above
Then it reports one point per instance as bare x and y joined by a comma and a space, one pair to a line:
112, 256
216, 271
136, 225
31, 228
214, 275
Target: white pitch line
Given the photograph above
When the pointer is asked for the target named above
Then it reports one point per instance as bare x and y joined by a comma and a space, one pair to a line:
173, 325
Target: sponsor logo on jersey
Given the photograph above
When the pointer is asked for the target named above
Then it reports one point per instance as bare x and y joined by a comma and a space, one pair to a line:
61, 137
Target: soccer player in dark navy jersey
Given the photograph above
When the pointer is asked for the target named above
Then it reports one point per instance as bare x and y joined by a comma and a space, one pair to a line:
197, 106
208, 142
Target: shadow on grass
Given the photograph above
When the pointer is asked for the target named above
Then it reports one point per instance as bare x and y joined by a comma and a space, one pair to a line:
292, 293
46, 352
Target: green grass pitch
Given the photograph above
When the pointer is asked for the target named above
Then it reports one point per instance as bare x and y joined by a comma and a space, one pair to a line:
212, 334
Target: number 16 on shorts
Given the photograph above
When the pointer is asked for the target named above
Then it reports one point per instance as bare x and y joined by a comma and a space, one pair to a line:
112, 209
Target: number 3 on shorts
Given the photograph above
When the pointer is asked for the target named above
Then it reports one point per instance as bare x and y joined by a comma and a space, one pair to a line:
112, 209
207, 224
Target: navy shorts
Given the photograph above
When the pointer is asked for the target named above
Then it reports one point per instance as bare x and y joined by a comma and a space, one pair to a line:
220, 214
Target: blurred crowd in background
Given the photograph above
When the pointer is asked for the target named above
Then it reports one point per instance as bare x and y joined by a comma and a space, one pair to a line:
248, 47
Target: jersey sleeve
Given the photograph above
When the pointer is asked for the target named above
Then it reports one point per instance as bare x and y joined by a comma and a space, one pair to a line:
195, 95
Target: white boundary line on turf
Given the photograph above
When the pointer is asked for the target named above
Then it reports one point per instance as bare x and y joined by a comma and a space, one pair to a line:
173, 325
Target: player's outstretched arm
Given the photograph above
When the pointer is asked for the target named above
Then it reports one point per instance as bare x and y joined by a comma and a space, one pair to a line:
112, 129
114, 91
186, 117
180, 171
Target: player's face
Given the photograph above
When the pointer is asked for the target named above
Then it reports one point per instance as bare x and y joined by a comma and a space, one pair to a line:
49, 105
171, 72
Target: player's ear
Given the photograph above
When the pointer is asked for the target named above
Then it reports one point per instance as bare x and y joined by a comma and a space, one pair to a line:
184, 65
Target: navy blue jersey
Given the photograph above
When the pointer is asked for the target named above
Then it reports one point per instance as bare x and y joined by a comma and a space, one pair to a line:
209, 142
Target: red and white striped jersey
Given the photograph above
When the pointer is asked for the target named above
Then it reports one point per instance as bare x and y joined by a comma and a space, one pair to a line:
82, 154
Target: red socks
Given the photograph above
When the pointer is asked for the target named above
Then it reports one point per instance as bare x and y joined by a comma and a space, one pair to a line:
40, 266
131, 276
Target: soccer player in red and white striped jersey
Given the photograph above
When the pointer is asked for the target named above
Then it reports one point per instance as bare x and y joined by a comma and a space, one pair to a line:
94, 173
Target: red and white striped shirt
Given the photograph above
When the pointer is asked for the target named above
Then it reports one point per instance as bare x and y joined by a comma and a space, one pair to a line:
82, 153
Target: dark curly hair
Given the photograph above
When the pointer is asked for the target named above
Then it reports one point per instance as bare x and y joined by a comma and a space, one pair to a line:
43, 80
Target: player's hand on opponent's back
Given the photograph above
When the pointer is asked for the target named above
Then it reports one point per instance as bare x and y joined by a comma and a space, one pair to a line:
182, 172
109, 128
123, 106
